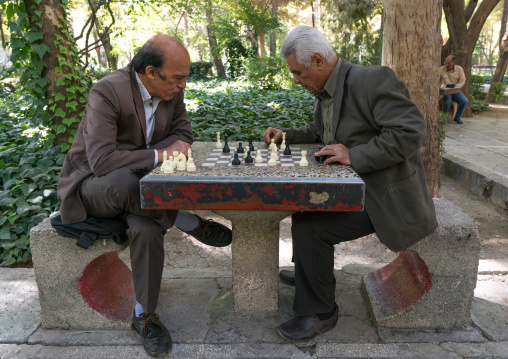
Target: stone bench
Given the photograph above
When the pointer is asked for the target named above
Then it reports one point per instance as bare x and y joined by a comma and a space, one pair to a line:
430, 285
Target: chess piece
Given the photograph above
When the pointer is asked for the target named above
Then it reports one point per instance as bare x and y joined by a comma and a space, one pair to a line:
249, 158
182, 162
283, 145
168, 167
272, 161
226, 147
275, 152
175, 159
272, 144
236, 161
218, 144
287, 151
251, 146
303, 161
245, 154
240, 148
164, 156
258, 158
191, 167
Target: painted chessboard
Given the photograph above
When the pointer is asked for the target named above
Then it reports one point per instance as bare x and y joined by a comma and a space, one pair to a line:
217, 158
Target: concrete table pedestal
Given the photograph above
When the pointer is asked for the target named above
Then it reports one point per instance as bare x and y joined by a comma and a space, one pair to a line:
255, 258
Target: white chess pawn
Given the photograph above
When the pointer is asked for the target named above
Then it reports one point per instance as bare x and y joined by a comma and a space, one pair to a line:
275, 152
303, 161
218, 144
168, 167
258, 158
272, 161
191, 167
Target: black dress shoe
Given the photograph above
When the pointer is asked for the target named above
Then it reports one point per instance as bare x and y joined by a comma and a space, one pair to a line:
287, 276
458, 121
155, 336
212, 233
300, 329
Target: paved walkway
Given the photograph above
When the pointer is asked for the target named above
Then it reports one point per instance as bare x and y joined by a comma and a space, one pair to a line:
196, 304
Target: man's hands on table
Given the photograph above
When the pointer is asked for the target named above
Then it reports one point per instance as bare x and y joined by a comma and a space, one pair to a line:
270, 133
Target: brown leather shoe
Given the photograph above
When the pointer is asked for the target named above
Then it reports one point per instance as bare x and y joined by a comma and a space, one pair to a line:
212, 233
155, 336
300, 329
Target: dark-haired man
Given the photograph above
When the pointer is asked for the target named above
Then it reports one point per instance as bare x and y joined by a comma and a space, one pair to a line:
134, 115
454, 75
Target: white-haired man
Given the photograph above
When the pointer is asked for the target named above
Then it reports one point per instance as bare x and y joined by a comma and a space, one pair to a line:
378, 131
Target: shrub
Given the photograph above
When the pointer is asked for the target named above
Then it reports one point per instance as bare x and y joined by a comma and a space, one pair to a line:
199, 69
269, 73
497, 90
477, 82
479, 105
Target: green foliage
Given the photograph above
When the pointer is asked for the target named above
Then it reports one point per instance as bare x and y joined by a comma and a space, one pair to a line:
269, 73
29, 170
199, 69
236, 53
497, 90
479, 105
243, 111
477, 82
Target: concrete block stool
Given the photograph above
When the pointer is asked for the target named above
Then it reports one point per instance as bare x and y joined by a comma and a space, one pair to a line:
431, 284
80, 289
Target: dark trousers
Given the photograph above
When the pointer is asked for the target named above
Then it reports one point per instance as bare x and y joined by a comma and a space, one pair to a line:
117, 193
314, 235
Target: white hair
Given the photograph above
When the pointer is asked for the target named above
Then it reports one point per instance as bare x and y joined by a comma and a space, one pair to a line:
304, 42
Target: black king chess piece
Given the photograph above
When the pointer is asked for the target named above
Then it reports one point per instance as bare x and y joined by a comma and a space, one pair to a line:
226, 147
287, 150
249, 158
251, 145
240, 148
236, 161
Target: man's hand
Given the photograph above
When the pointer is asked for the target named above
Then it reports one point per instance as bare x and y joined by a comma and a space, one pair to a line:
338, 153
179, 146
272, 133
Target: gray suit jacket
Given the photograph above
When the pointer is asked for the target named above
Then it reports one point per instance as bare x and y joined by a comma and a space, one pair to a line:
112, 134
383, 129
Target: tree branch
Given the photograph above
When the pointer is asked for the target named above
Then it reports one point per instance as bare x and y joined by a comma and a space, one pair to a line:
480, 16
470, 9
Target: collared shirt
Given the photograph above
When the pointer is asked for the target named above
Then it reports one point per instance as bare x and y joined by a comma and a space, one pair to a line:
150, 105
326, 98
455, 76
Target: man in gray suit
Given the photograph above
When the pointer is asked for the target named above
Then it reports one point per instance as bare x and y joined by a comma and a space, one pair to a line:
133, 115
364, 118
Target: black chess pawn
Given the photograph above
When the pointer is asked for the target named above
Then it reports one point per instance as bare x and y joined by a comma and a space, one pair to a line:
240, 148
236, 161
287, 150
226, 147
249, 158
251, 145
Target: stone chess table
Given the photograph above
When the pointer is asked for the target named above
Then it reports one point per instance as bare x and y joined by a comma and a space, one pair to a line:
254, 199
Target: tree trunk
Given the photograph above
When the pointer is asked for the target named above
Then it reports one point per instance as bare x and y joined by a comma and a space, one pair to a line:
100, 61
464, 27
502, 60
52, 25
407, 35
2, 28
262, 47
108, 48
212, 40
273, 43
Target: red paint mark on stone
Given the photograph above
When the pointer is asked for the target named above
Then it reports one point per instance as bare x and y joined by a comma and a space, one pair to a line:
270, 191
289, 186
106, 286
399, 286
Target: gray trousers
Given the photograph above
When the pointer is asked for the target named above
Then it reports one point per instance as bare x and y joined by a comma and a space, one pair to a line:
118, 194
314, 236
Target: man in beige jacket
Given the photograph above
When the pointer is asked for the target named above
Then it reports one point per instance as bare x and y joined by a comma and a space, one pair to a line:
452, 74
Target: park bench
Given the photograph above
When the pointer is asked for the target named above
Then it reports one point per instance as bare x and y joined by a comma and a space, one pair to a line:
428, 286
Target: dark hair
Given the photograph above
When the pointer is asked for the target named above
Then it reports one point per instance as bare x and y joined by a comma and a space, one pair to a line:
149, 54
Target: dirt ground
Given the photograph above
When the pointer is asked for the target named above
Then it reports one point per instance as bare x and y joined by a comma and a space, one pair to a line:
492, 220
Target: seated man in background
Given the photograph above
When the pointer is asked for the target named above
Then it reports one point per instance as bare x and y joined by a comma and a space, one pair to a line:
379, 132
133, 115
452, 74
